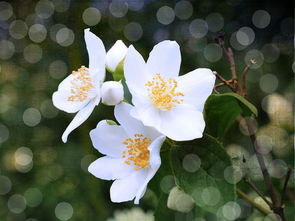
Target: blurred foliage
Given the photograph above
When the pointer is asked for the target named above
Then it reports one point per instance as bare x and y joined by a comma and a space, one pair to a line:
48, 180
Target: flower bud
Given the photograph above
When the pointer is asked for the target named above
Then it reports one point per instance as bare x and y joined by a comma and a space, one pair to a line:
115, 55
112, 92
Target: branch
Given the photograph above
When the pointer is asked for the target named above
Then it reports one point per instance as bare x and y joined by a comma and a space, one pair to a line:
253, 203
245, 71
227, 83
257, 191
230, 58
285, 186
261, 162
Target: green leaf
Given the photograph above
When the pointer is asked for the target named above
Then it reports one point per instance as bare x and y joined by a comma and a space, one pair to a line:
119, 72
221, 111
161, 184
248, 108
206, 185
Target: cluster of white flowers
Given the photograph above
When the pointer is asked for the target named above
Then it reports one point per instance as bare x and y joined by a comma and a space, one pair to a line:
163, 105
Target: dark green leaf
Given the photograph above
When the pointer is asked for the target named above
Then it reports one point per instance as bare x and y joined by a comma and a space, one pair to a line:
221, 111
206, 185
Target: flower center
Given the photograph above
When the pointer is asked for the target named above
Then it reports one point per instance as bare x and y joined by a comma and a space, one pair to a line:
137, 152
163, 93
81, 85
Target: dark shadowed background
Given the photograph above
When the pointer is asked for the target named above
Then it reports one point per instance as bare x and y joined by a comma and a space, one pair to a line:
41, 42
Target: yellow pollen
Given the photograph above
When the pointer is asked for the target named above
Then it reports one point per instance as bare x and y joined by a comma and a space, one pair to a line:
81, 85
163, 93
137, 152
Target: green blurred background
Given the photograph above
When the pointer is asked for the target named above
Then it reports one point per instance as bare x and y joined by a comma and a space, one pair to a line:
41, 42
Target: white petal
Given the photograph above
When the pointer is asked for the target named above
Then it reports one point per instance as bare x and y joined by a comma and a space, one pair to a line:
60, 97
107, 139
126, 189
182, 122
108, 168
165, 59
149, 115
132, 125
196, 86
155, 162
80, 117
112, 93
135, 71
115, 55
154, 148
96, 54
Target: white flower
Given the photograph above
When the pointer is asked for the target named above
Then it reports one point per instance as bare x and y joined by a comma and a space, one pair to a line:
132, 154
112, 92
170, 103
133, 214
80, 91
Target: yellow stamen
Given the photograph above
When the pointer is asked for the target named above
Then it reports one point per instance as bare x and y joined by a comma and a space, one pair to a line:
163, 93
137, 151
81, 85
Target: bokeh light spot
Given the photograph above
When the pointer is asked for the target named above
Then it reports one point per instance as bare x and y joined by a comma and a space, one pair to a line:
33, 53
58, 69
245, 36
270, 52
257, 56
5, 185
268, 83
64, 211
133, 31
183, 9
65, 37
33, 197
31, 117
118, 8
7, 49
261, 18
4, 133
198, 28
215, 22
18, 29
165, 15
191, 163
91, 16
167, 183
212, 52
5, 11
44, 9
16, 203
37, 33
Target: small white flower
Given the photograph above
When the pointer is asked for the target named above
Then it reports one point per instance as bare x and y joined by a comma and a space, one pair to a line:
112, 92
170, 103
132, 154
80, 91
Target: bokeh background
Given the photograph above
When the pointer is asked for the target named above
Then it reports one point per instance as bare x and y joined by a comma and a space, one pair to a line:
41, 42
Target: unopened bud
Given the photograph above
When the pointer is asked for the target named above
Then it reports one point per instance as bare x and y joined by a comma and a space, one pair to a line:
115, 55
179, 201
112, 92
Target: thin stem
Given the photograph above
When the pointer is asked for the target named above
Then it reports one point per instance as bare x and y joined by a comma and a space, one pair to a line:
261, 162
223, 80
244, 73
253, 203
230, 58
285, 186
275, 206
257, 191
